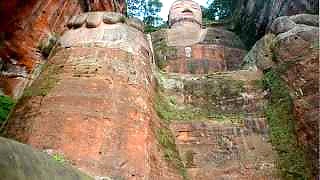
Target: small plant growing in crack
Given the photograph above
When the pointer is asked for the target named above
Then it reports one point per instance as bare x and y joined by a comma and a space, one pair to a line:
59, 158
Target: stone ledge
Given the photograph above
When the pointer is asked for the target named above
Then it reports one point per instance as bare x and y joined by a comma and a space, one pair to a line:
94, 19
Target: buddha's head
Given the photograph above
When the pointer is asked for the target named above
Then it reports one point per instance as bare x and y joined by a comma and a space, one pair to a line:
185, 11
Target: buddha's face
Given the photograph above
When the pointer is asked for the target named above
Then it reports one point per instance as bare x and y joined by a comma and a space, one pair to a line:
185, 9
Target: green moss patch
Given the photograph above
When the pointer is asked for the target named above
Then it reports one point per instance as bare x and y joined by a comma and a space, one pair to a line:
46, 81
6, 105
163, 52
291, 159
171, 154
168, 110
59, 158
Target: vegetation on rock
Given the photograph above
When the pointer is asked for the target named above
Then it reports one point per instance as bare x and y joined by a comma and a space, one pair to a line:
47, 45
6, 104
171, 154
46, 81
291, 161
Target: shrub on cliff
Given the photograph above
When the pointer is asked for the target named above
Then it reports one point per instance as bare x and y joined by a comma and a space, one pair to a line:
6, 104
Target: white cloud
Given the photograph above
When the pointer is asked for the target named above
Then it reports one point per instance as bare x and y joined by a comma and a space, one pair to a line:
167, 4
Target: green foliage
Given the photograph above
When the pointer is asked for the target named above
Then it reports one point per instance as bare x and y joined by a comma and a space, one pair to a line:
291, 161
218, 9
136, 8
162, 52
146, 10
189, 156
6, 104
59, 158
149, 28
151, 16
168, 110
166, 139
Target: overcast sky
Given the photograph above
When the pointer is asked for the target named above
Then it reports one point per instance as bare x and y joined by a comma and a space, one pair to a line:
167, 4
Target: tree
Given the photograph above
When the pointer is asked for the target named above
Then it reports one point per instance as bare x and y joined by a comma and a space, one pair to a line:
151, 16
136, 8
219, 9
148, 11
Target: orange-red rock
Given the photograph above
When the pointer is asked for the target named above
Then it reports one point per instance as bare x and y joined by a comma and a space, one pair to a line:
107, 5
98, 111
25, 24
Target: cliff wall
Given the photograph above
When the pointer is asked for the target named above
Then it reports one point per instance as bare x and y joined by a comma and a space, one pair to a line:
255, 17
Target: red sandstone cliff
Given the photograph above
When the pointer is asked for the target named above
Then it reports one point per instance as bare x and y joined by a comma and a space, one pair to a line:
27, 26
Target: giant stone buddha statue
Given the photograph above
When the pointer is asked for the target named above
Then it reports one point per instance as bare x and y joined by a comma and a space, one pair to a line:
188, 47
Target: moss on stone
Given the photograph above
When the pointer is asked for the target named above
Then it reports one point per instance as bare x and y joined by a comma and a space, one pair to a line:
163, 52
171, 154
47, 45
169, 111
59, 158
6, 105
291, 159
46, 81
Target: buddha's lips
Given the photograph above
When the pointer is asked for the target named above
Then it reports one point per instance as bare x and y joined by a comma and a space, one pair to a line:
187, 13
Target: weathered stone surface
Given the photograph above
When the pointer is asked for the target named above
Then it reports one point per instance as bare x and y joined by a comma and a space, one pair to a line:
113, 18
296, 43
219, 93
94, 19
219, 125
179, 50
107, 5
184, 11
71, 22
282, 24
307, 19
222, 37
21, 162
80, 20
135, 23
106, 35
261, 54
295, 55
254, 18
23, 27
107, 69
224, 150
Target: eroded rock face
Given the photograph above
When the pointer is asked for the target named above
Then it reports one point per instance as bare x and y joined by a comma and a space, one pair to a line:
106, 5
93, 103
29, 31
24, 26
295, 52
254, 18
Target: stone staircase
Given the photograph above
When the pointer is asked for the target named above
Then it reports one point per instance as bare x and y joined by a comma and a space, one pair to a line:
227, 138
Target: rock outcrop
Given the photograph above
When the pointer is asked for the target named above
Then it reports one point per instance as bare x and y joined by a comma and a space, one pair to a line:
107, 5
213, 109
182, 103
253, 18
293, 52
93, 101
19, 161
29, 31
